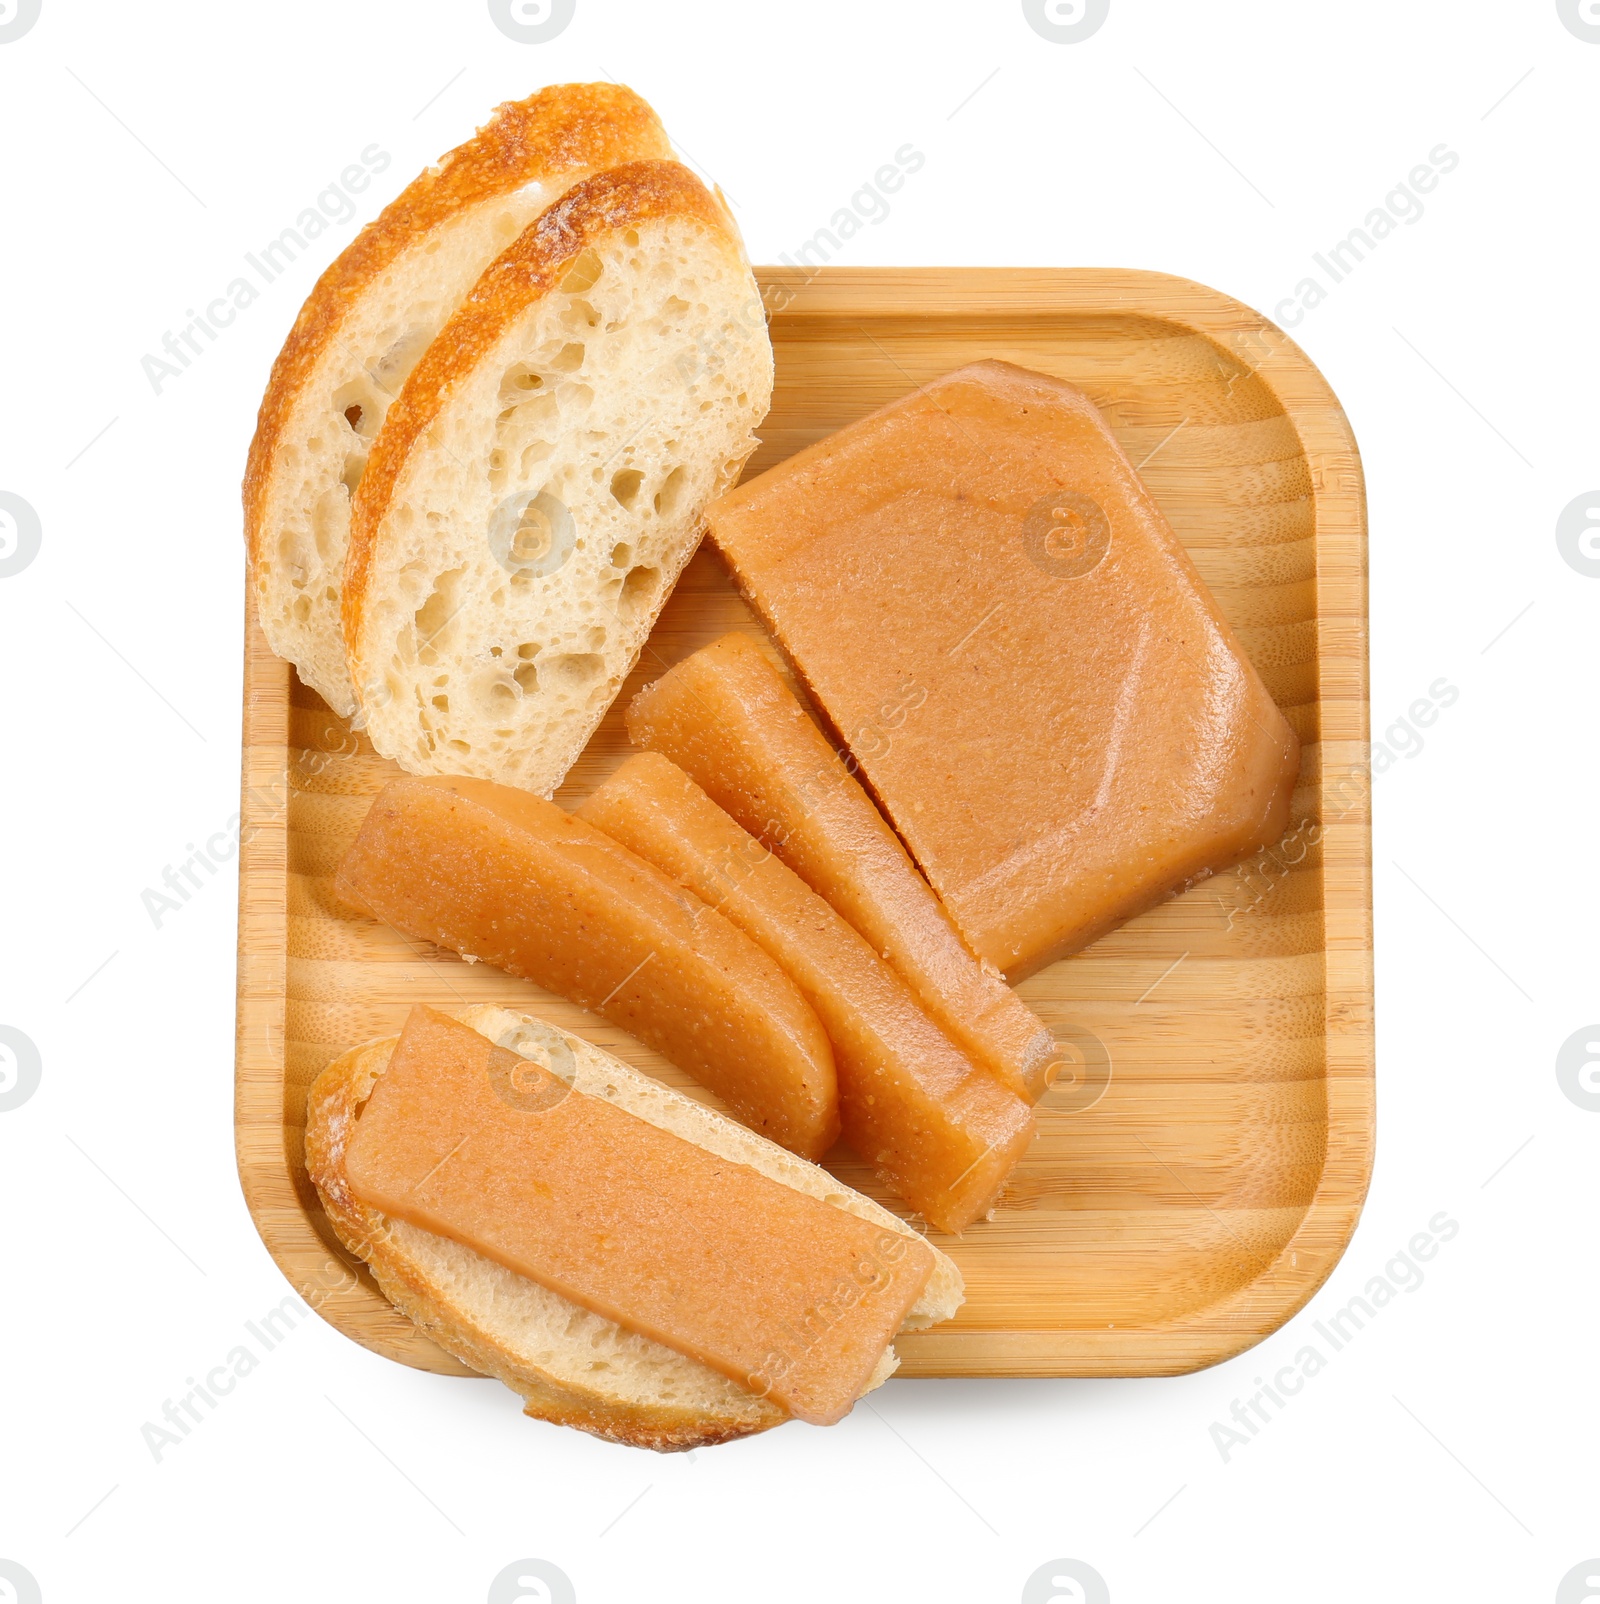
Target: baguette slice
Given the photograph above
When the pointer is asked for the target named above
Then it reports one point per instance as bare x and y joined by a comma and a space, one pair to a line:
538, 485
369, 318
570, 1366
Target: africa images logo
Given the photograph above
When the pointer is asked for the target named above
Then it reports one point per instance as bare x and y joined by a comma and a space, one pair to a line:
1066, 22
532, 22
1578, 1068
16, 18
532, 1581
20, 1068
20, 534
1581, 18
1066, 535
1578, 534
18, 1583
1066, 1581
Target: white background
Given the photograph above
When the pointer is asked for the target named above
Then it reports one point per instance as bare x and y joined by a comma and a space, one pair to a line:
1448, 1452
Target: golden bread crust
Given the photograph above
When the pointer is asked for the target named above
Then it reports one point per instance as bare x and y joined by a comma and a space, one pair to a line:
529, 268
563, 129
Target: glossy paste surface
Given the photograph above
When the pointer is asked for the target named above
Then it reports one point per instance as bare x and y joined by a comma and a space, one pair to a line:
725, 716
1041, 693
789, 1296
941, 1131
500, 874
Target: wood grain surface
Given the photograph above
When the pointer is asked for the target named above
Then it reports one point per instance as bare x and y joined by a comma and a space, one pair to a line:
1196, 1181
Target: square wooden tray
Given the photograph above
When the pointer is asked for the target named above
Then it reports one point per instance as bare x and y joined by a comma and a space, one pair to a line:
1197, 1182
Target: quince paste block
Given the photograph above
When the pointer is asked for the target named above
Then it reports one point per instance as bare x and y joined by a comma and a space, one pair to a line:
790, 1297
725, 716
942, 1132
985, 602
495, 873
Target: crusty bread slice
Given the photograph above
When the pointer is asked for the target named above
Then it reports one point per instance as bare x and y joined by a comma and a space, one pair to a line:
370, 317
538, 485
570, 1366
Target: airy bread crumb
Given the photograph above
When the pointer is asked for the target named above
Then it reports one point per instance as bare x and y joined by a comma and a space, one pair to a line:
539, 484
369, 319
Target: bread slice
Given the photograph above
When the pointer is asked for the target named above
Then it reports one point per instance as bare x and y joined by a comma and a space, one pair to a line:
571, 1366
539, 484
370, 317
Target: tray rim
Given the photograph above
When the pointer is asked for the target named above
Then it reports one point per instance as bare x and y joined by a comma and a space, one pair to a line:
343, 1293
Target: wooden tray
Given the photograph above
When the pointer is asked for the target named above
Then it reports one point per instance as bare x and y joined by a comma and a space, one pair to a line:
1200, 1200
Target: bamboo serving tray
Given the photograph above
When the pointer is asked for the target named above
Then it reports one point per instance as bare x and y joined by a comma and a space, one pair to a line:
1199, 1175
